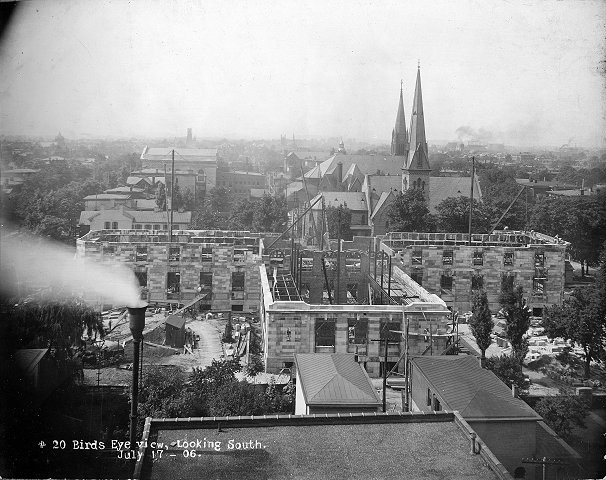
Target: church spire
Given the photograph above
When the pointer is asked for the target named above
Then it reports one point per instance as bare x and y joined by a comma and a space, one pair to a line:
399, 136
418, 156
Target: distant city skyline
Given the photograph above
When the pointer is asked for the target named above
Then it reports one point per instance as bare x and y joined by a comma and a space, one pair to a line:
530, 73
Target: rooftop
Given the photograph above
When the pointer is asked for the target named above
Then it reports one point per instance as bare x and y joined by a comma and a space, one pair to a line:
180, 152
334, 379
475, 392
222, 237
352, 200
511, 238
361, 446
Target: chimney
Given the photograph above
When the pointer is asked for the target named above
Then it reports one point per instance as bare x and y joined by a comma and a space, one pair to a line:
339, 175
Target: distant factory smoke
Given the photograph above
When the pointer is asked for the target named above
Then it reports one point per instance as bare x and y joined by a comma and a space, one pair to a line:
30, 264
467, 134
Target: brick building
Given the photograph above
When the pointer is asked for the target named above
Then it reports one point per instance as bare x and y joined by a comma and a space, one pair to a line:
220, 266
241, 183
445, 264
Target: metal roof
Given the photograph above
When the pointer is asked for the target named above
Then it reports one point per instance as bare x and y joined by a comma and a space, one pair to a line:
475, 392
175, 321
334, 379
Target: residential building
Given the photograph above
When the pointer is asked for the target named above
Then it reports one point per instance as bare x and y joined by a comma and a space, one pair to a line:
333, 383
108, 201
511, 429
124, 219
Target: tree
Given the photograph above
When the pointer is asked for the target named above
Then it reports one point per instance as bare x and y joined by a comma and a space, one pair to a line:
509, 371
453, 216
580, 319
517, 319
562, 413
339, 218
57, 325
409, 212
578, 220
162, 393
270, 214
481, 322
161, 196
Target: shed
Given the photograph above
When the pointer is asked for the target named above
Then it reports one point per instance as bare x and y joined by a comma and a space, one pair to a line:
175, 331
333, 383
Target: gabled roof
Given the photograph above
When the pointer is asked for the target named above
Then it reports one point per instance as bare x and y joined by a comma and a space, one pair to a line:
125, 190
334, 379
135, 180
441, 188
368, 164
175, 321
354, 201
145, 204
107, 196
382, 201
28, 358
477, 393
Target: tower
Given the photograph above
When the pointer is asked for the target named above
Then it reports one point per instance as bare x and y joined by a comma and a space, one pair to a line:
399, 136
416, 170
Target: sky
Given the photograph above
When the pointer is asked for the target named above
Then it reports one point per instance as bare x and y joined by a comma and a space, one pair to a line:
497, 71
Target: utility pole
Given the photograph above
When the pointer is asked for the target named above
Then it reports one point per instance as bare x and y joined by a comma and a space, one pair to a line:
385, 365
405, 406
473, 170
172, 194
338, 286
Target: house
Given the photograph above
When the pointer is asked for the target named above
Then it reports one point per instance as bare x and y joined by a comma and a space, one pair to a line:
333, 383
124, 219
175, 331
511, 429
355, 446
108, 201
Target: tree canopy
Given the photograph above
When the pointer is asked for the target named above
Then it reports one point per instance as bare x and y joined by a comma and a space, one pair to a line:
517, 319
481, 322
580, 319
339, 217
562, 413
453, 215
409, 212
578, 220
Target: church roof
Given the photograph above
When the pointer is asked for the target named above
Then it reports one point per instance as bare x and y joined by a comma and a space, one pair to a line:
367, 164
400, 127
441, 188
418, 156
354, 201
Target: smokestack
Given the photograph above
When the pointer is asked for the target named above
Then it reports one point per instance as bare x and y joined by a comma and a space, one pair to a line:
136, 322
339, 175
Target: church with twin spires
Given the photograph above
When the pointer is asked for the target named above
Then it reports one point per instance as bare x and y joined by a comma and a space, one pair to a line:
411, 145
368, 183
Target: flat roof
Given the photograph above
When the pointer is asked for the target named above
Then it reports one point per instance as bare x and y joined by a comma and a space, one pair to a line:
361, 446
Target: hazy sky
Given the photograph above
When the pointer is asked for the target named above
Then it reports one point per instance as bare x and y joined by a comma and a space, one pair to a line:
519, 72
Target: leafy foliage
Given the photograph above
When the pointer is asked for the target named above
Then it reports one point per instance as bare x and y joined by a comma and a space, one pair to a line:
409, 212
517, 319
580, 319
481, 322
453, 215
210, 391
57, 325
509, 370
579, 220
339, 218
562, 413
